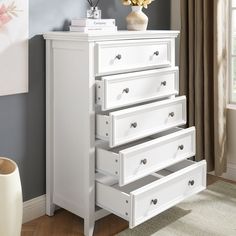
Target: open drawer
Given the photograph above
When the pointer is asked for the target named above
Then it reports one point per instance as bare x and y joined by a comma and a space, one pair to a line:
131, 88
146, 198
134, 123
136, 160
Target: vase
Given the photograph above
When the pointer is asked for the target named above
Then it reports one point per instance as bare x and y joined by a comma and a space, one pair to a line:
137, 20
11, 204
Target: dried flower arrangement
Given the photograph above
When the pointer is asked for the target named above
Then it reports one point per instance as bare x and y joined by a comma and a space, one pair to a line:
7, 13
93, 4
142, 3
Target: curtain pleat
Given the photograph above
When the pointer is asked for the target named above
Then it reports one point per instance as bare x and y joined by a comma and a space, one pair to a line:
203, 69
208, 61
220, 83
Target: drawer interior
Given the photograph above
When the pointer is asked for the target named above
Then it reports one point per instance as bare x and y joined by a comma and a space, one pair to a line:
125, 146
110, 181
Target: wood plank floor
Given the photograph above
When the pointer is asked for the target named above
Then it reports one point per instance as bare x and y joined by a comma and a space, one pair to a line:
67, 224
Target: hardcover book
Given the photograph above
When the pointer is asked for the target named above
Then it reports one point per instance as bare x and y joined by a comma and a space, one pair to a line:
92, 29
83, 22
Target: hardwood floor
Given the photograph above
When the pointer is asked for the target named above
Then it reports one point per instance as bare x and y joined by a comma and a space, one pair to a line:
67, 224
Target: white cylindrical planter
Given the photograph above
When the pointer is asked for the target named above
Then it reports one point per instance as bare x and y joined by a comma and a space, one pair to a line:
11, 205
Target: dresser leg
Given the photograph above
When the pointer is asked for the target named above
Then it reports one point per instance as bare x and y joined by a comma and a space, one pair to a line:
50, 207
89, 226
50, 210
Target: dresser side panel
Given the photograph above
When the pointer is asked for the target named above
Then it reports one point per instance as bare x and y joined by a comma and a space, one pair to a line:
73, 126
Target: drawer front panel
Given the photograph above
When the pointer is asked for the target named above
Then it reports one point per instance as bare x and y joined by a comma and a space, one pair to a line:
167, 192
144, 159
126, 89
134, 161
134, 54
147, 120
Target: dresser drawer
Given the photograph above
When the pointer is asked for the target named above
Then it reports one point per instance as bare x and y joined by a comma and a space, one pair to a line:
128, 55
148, 197
131, 88
134, 123
136, 160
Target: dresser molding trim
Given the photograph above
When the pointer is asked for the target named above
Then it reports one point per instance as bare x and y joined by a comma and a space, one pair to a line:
103, 36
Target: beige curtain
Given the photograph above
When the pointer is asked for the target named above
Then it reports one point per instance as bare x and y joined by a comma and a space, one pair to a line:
203, 76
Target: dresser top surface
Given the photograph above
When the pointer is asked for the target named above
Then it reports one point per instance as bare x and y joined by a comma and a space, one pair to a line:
103, 36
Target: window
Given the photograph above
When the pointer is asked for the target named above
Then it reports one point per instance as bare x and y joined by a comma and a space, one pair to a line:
232, 51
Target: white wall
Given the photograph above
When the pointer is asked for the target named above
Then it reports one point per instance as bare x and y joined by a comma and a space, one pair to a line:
231, 111
231, 135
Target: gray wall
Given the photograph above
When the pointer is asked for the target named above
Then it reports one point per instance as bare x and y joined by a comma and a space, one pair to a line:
22, 117
158, 13
176, 24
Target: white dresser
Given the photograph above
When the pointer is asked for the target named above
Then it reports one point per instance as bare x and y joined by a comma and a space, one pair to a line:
112, 109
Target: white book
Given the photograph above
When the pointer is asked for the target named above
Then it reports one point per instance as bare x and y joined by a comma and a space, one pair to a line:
93, 29
93, 22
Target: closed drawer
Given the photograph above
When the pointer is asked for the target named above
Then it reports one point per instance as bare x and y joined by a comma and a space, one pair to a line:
128, 55
132, 162
146, 198
130, 124
131, 88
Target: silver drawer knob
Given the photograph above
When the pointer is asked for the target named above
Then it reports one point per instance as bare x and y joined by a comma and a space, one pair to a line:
156, 53
191, 182
126, 90
118, 57
171, 114
134, 125
163, 83
144, 161
154, 201
181, 147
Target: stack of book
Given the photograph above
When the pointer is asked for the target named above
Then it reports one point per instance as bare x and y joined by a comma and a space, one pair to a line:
93, 25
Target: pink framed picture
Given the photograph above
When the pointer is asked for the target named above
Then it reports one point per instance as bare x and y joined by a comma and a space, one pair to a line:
14, 33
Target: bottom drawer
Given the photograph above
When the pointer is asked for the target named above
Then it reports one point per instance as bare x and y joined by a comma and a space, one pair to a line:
147, 197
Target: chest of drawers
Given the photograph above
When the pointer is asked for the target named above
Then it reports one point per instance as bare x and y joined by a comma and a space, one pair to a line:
113, 142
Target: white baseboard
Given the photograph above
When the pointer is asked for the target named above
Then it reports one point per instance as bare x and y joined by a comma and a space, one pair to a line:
34, 208
231, 172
